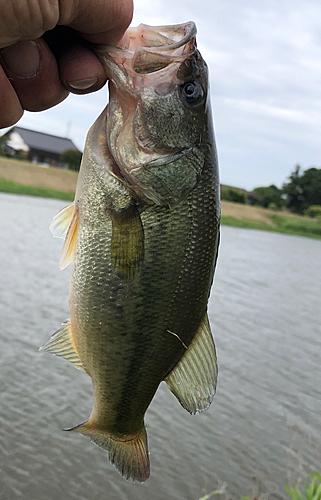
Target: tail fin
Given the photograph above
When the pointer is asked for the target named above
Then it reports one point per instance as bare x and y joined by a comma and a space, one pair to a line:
130, 457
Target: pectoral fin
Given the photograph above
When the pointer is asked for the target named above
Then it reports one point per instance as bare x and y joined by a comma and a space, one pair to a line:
69, 248
61, 344
193, 380
62, 220
127, 243
65, 225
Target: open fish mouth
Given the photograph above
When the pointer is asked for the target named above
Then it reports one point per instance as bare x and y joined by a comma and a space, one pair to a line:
145, 50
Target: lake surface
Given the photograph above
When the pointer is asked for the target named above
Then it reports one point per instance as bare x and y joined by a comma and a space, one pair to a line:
264, 426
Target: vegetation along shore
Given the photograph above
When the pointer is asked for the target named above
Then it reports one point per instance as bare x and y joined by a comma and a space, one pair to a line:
239, 208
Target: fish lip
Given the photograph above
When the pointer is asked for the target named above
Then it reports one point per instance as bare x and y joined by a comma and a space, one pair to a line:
189, 28
190, 32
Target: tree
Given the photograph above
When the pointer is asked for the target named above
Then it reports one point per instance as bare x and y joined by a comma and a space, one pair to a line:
72, 157
269, 194
303, 189
233, 194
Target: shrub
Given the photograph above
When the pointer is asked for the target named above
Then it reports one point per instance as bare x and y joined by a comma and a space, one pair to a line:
313, 211
233, 194
72, 157
273, 206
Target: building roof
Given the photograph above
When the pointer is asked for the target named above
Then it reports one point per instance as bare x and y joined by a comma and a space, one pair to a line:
44, 142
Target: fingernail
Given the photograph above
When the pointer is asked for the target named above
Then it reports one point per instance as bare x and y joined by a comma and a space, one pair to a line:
22, 59
84, 84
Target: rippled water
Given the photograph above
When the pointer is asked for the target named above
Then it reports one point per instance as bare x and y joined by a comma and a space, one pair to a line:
264, 423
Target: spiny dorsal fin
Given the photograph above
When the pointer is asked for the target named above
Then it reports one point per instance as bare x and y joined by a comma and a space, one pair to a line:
130, 457
61, 221
69, 248
61, 344
193, 380
127, 242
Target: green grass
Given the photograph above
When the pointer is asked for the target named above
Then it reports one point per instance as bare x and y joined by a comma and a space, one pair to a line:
305, 226
312, 491
13, 187
245, 223
297, 226
306, 488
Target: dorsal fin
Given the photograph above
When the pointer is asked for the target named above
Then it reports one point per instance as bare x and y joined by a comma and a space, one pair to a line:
193, 379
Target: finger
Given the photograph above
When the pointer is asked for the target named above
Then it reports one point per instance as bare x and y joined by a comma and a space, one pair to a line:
100, 21
80, 70
34, 74
11, 110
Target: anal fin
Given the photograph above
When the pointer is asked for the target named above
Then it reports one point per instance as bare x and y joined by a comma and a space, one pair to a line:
61, 344
127, 242
193, 379
129, 456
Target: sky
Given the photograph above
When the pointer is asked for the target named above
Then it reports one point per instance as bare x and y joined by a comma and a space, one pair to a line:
264, 58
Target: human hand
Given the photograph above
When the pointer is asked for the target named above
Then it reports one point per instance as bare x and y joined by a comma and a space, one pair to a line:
45, 54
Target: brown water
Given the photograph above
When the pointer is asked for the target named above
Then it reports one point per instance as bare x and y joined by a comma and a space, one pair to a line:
264, 423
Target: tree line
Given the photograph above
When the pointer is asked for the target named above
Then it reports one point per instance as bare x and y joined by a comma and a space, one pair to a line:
301, 194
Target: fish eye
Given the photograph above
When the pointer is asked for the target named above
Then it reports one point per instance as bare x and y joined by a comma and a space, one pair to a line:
192, 93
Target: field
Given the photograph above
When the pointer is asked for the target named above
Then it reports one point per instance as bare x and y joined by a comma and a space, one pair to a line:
22, 177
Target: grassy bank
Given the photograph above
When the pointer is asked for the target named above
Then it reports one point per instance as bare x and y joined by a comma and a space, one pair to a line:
22, 177
13, 187
237, 215
28, 174
282, 224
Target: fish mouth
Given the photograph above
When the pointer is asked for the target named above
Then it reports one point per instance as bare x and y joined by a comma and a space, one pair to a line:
145, 50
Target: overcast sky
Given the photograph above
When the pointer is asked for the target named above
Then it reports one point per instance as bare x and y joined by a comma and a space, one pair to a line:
264, 58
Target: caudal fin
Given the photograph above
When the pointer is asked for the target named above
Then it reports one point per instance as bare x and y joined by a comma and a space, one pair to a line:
130, 457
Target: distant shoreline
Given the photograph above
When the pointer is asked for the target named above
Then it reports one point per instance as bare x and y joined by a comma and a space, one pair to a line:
21, 177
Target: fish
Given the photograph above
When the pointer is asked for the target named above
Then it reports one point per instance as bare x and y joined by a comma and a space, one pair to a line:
142, 236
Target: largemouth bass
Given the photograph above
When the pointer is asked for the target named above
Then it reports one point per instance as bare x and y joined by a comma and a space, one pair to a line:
142, 236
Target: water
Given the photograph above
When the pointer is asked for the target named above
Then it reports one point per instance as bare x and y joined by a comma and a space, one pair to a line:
263, 428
